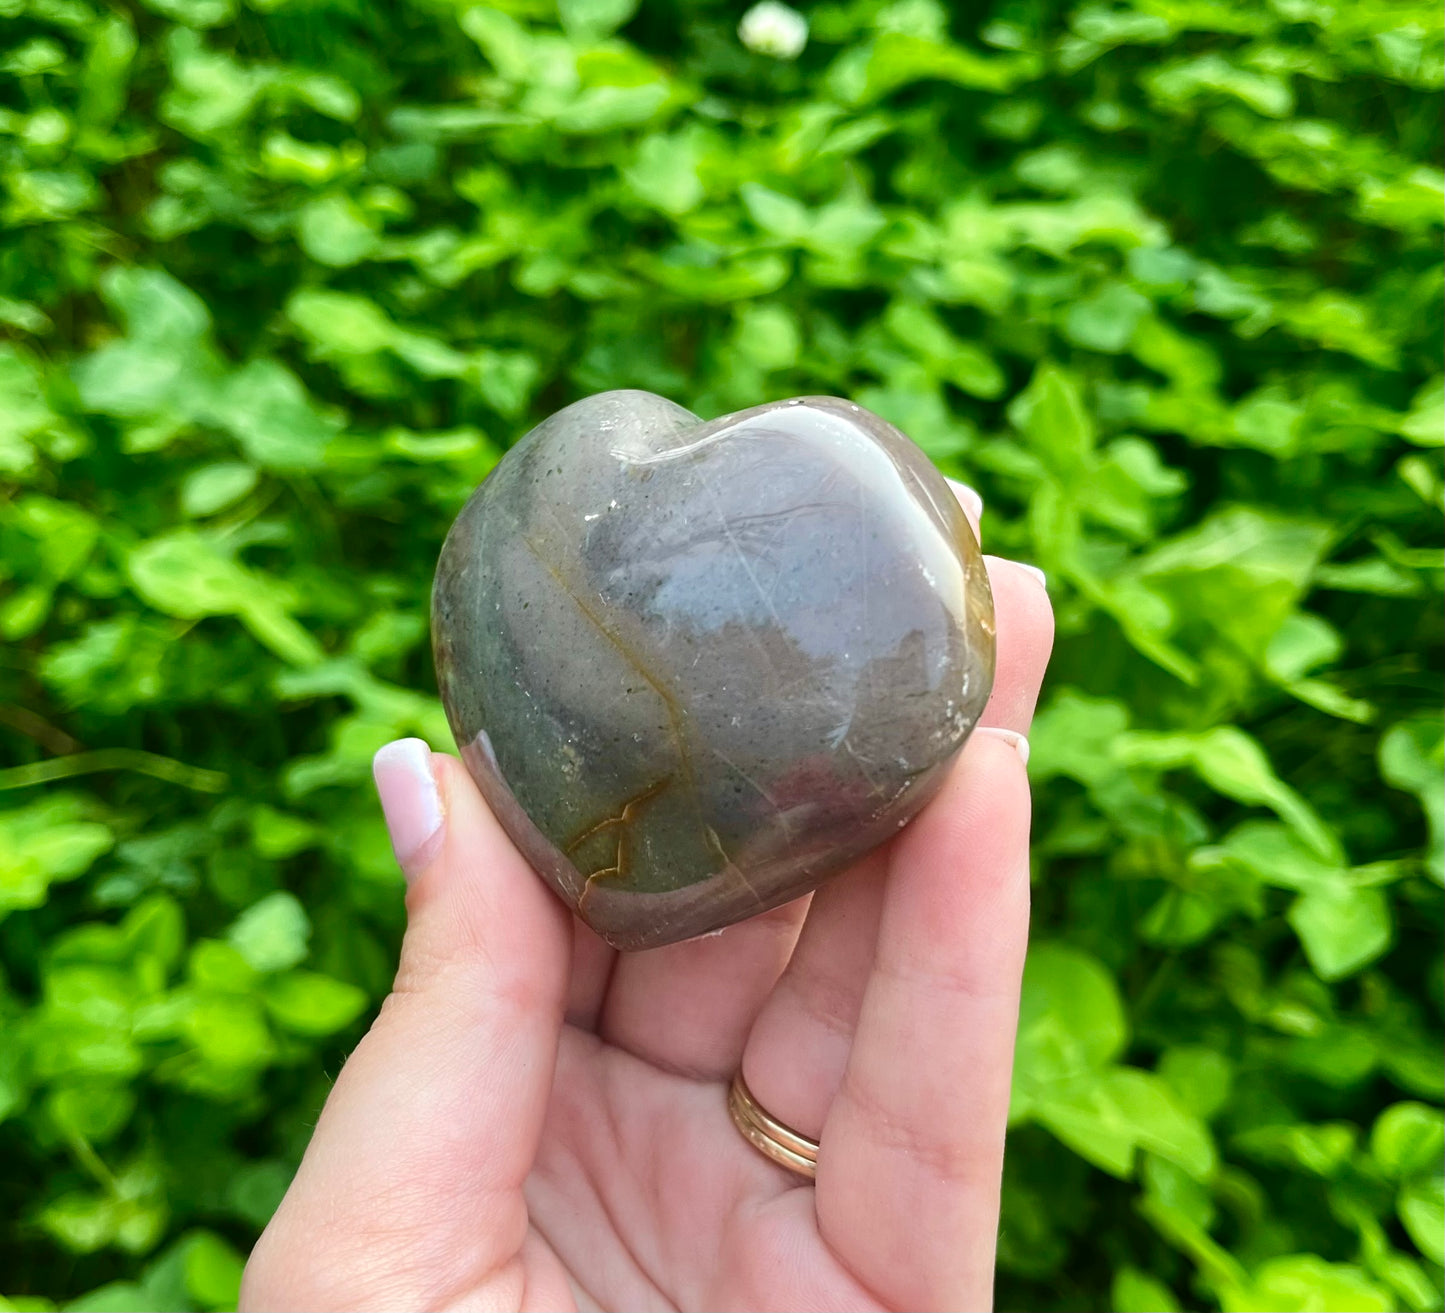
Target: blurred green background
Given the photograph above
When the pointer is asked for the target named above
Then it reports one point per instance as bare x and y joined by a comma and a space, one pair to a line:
281, 279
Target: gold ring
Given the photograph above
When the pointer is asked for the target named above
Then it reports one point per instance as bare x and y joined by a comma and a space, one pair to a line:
768, 1135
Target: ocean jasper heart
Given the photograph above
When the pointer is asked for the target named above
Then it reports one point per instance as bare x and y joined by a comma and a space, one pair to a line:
698, 668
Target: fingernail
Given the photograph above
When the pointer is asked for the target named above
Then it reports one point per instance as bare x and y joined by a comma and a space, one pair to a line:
1018, 742
409, 801
971, 502
1036, 573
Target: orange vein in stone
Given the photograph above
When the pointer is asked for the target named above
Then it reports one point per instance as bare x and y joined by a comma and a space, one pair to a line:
673, 711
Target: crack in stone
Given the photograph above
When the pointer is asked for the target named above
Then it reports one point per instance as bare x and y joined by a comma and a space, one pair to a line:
623, 822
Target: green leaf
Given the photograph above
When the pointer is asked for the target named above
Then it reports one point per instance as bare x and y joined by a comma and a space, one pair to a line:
1074, 736
1304, 1283
81, 1223
1422, 1213
25, 610
1160, 1124
155, 928
1106, 1117
1302, 643
1268, 420
146, 378
1279, 857
333, 230
664, 173
285, 158
114, 1297
267, 410
965, 365
1200, 1078
155, 307
1134, 1291
94, 1110
1412, 757
339, 323
194, 13
213, 1271
211, 488
594, 18
1181, 83
1051, 414
277, 835
1071, 1020
1408, 1138
272, 934
63, 535
840, 230
129, 1216
24, 412
221, 967
311, 1004
256, 1190
1425, 424
895, 59
184, 574
1239, 571
777, 215
229, 1032
768, 336
455, 445
1234, 764
1085, 1119
1107, 320
1342, 323
597, 110
1322, 1150
47, 842
1342, 929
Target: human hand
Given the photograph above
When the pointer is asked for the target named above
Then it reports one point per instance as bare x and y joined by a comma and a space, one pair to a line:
537, 1122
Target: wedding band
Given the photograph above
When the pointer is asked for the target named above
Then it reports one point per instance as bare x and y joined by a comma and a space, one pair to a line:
768, 1135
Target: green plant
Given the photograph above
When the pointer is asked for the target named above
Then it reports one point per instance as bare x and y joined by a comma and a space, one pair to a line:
278, 283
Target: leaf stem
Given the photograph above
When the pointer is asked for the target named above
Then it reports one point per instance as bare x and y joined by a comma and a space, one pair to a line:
115, 759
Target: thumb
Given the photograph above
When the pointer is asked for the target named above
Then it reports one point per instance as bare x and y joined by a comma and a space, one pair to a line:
410, 1193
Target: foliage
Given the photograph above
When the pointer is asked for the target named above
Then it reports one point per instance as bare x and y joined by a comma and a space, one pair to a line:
281, 279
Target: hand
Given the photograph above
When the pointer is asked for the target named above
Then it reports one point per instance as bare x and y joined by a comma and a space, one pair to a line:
537, 1122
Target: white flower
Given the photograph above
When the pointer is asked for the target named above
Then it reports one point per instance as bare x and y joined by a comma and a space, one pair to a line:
771, 28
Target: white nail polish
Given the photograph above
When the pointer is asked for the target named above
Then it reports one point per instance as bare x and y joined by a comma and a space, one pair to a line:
1018, 742
971, 502
1036, 573
409, 799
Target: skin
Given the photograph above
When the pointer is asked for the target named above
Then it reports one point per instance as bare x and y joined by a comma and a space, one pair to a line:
537, 1122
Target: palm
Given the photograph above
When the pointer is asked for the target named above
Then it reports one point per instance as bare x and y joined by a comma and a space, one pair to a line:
645, 1196
535, 1122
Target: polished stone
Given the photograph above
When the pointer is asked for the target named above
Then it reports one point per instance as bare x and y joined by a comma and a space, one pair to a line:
697, 668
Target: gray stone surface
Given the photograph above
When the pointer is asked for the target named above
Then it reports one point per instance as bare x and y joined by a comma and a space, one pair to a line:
697, 668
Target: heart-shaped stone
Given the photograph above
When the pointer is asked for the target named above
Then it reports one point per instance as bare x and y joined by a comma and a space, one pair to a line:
697, 668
